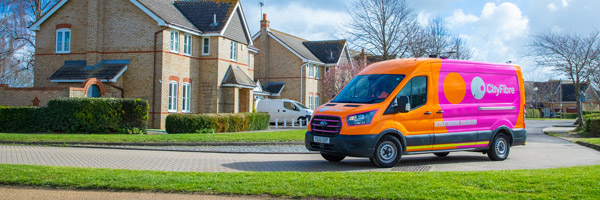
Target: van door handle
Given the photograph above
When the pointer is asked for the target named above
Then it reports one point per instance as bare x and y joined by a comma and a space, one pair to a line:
440, 112
283, 111
427, 113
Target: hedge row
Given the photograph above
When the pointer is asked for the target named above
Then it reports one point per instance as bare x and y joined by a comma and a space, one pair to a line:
215, 123
532, 113
78, 115
592, 125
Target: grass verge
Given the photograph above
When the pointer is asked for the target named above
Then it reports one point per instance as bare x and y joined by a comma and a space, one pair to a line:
279, 136
595, 141
562, 183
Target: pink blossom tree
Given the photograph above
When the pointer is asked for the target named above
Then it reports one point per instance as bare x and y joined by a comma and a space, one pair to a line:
339, 76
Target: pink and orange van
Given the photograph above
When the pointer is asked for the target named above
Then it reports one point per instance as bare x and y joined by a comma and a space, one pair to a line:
415, 106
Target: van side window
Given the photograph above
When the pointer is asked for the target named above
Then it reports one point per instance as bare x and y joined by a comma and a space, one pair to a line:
415, 90
418, 96
288, 105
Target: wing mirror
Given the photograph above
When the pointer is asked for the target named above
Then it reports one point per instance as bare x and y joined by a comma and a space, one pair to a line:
403, 104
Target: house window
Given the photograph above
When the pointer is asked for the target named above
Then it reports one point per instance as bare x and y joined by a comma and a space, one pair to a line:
187, 44
186, 97
205, 46
317, 72
174, 41
310, 70
310, 101
173, 87
233, 50
63, 40
317, 103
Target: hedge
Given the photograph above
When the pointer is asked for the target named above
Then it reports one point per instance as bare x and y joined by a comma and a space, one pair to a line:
532, 113
78, 115
592, 125
215, 123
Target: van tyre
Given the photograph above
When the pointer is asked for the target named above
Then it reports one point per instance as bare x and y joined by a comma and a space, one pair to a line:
499, 148
444, 154
332, 158
388, 152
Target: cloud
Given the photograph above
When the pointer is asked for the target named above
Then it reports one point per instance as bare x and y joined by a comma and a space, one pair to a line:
459, 18
565, 3
424, 17
552, 7
301, 20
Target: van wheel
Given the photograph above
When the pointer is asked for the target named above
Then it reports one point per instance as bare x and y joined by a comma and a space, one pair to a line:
332, 158
388, 152
302, 121
441, 154
500, 148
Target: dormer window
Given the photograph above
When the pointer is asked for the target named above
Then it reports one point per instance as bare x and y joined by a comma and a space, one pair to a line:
63, 40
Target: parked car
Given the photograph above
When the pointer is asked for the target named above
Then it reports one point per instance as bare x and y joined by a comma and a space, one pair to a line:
284, 110
415, 106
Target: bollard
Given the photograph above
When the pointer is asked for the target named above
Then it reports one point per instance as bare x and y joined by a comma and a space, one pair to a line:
301, 124
276, 123
293, 123
284, 122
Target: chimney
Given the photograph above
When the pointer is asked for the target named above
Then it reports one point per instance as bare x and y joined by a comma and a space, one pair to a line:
363, 57
264, 23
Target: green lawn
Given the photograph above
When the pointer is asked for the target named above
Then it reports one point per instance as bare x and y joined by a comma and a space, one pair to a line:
560, 183
595, 141
280, 136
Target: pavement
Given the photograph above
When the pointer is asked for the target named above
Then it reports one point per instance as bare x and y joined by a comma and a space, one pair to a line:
41, 194
542, 151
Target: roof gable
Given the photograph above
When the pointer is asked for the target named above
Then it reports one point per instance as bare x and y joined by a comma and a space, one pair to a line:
235, 29
327, 51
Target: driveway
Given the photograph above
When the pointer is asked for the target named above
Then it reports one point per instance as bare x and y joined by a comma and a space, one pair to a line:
542, 151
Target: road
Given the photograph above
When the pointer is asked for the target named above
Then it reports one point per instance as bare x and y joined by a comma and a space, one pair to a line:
542, 151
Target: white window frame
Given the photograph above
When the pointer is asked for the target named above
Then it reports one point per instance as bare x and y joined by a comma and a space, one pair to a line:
187, 97
311, 71
317, 76
63, 43
174, 47
187, 44
205, 44
173, 89
317, 101
310, 101
233, 49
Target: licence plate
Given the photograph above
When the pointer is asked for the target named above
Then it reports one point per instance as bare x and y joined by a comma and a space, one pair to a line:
320, 139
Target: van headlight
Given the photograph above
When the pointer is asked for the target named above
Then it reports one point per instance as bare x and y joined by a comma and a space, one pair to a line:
360, 119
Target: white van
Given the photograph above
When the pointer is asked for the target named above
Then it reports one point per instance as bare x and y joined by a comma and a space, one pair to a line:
284, 109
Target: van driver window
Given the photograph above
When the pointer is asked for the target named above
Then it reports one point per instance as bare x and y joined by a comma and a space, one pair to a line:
288, 105
416, 90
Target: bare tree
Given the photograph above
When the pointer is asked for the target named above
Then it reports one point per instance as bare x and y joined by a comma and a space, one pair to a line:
462, 51
417, 41
438, 36
379, 26
16, 42
571, 54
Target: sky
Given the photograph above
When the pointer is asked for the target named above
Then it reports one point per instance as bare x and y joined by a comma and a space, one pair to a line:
497, 31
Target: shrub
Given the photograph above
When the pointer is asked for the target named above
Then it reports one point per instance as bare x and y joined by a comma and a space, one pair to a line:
23, 119
79, 115
592, 125
532, 113
569, 115
209, 123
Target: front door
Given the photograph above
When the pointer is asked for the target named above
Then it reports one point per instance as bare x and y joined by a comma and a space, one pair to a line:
418, 121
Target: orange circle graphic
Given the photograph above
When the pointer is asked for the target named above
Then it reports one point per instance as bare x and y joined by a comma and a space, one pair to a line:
454, 88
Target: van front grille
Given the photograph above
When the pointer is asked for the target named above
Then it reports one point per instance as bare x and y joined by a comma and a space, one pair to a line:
324, 125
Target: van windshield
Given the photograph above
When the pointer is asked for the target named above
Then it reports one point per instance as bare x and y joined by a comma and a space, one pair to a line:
300, 105
371, 88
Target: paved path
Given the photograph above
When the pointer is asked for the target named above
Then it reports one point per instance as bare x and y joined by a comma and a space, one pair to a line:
40, 194
542, 151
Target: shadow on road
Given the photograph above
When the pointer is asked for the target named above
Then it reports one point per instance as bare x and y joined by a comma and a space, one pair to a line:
351, 164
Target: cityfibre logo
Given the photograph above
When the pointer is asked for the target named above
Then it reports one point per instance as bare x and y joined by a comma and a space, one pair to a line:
479, 88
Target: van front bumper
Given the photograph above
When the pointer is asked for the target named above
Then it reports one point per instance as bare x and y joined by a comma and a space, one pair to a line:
346, 145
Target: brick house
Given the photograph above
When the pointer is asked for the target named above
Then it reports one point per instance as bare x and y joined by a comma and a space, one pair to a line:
182, 56
293, 68
559, 96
